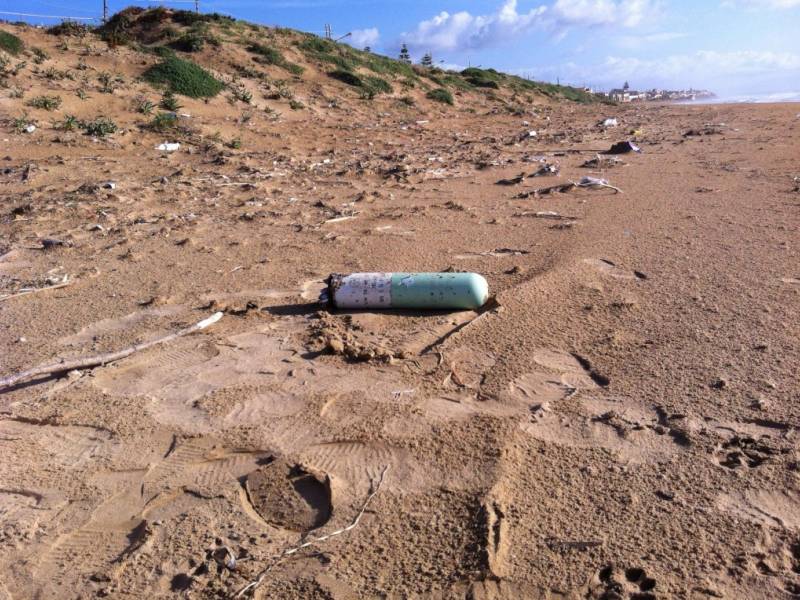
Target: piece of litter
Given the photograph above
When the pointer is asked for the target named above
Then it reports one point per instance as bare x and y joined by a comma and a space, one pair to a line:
623, 148
546, 170
598, 162
30, 129
168, 146
109, 185
611, 122
434, 291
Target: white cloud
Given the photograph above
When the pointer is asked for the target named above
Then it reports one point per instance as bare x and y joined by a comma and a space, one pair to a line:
360, 38
637, 41
463, 30
743, 62
705, 68
628, 13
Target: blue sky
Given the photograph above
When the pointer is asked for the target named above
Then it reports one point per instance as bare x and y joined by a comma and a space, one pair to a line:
733, 47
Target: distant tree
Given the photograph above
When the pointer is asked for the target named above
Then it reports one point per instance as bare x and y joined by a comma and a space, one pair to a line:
367, 49
427, 60
404, 55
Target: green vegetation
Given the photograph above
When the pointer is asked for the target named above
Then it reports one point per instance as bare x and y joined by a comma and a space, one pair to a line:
99, 127
482, 78
66, 28
163, 122
184, 77
195, 39
39, 55
242, 94
163, 52
347, 77
371, 86
380, 86
45, 102
10, 43
170, 102
346, 58
440, 95
20, 123
107, 82
267, 55
144, 106
189, 42
69, 123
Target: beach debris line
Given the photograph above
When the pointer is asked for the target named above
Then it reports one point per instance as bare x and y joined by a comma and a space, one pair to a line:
434, 291
512, 181
584, 182
374, 489
65, 366
546, 170
602, 162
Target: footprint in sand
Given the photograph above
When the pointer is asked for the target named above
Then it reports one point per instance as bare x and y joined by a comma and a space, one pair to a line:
622, 584
200, 462
68, 446
354, 465
110, 326
289, 495
775, 508
609, 268
748, 452
21, 512
560, 375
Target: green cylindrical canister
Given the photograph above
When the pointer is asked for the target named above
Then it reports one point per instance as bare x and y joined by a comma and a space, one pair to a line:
436, 291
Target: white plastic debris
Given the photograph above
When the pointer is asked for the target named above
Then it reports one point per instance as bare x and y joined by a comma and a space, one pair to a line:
611, 122
532, 133
30, 128
168, 147
109, 185
587, 181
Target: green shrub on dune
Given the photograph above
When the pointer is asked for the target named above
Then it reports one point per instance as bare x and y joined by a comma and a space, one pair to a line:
184, 77
10, 43
440, 95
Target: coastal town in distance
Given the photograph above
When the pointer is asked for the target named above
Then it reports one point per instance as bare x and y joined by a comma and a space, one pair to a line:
626, 94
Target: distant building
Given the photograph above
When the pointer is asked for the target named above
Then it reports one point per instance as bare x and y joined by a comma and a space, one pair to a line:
620, 95
625, 94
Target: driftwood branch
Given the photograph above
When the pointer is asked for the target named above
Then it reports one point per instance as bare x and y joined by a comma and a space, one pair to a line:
26, 291
102, 359
250, 587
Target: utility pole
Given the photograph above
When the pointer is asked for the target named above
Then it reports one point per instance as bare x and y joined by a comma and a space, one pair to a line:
197, 6
105, 11
328, 34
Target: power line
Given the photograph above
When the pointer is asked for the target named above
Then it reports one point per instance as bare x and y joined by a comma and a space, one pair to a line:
19, 14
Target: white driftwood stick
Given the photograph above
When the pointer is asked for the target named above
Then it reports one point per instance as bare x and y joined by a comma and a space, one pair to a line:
103, 359
26, 291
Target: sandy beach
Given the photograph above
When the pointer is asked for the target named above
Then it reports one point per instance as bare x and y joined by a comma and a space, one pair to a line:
619, 421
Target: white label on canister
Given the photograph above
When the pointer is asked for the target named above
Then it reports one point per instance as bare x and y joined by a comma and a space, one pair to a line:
407, 281
365, 290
